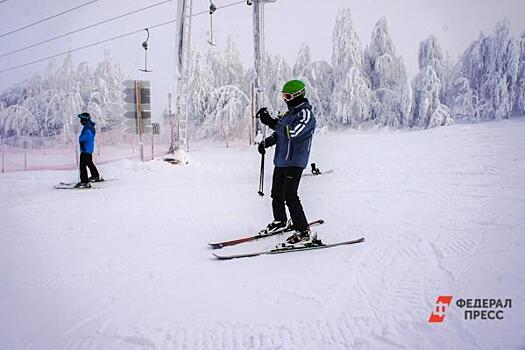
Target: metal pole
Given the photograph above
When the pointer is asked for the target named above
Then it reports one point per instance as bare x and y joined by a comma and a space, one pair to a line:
258, 38
172, 126
182, 45
258, 33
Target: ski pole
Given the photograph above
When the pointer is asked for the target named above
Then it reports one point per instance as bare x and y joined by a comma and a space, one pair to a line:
261, 175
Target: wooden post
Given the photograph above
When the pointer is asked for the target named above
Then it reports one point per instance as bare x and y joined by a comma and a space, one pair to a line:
152, 147
140, 129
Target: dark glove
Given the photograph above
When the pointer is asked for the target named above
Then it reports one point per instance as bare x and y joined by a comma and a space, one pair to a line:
261, 148
266, 118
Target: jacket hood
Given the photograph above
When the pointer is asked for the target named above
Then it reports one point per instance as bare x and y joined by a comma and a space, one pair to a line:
90, 125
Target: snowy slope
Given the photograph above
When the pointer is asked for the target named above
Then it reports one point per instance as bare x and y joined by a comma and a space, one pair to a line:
127, 267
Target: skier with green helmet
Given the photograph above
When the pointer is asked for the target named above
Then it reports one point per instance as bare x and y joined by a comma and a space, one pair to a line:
292, 137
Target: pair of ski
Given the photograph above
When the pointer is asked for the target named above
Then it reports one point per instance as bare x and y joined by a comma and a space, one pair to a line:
277, 250
72, 185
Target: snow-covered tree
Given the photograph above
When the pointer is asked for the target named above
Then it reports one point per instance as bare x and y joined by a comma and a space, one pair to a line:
389, 79
108, 80
428, 109
278, 72
52, 100
227, 114
491, 66
462, 100
199, 90
302, 61
319, 80
217, 104
431, 54
232, 68
353, 100
520, 82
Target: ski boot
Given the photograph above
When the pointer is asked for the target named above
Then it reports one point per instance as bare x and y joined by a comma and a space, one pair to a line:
83, 185
315, 170
272, 228
96, 179
302, 238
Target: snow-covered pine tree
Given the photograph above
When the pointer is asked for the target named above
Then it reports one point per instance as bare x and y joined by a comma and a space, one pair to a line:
491, 66
462, 100
428, 109
319, 80
302, 61
318, 77
108, 79
353, 100
232, 68
389, 79
199, 90
519, 105
278, 72
217, 104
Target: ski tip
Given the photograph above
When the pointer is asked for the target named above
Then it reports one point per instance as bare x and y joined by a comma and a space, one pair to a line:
359, 240
215, 245
221, 257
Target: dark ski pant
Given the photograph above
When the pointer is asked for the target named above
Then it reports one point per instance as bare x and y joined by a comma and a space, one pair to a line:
86, 161
284, 190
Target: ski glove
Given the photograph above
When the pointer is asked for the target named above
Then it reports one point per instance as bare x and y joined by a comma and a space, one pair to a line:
266, 118
261, 149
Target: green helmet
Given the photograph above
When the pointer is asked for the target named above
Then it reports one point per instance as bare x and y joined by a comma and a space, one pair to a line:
293, 89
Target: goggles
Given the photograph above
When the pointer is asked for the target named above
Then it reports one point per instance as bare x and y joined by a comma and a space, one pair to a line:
288, 96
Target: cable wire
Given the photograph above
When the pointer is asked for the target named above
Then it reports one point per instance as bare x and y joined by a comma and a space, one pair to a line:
113, 38
48, 18
83, 28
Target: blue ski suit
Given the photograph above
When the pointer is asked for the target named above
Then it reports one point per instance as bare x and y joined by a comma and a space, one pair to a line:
87, 138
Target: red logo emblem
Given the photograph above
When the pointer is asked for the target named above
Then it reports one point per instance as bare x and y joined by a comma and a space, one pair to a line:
438, 315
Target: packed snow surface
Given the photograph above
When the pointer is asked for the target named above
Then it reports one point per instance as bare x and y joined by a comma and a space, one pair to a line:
128, 266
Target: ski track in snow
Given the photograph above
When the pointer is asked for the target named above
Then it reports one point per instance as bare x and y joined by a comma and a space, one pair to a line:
127, 267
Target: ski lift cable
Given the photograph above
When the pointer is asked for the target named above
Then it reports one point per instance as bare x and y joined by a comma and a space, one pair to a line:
84, 28
113, 38
47, 18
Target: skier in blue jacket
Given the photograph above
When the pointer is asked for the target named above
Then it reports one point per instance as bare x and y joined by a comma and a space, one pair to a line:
292, 138
87, 146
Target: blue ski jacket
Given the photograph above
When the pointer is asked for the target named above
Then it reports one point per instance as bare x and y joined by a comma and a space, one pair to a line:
87, 138
292, 136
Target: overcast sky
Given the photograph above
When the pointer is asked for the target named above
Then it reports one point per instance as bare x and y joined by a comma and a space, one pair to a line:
456, 23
